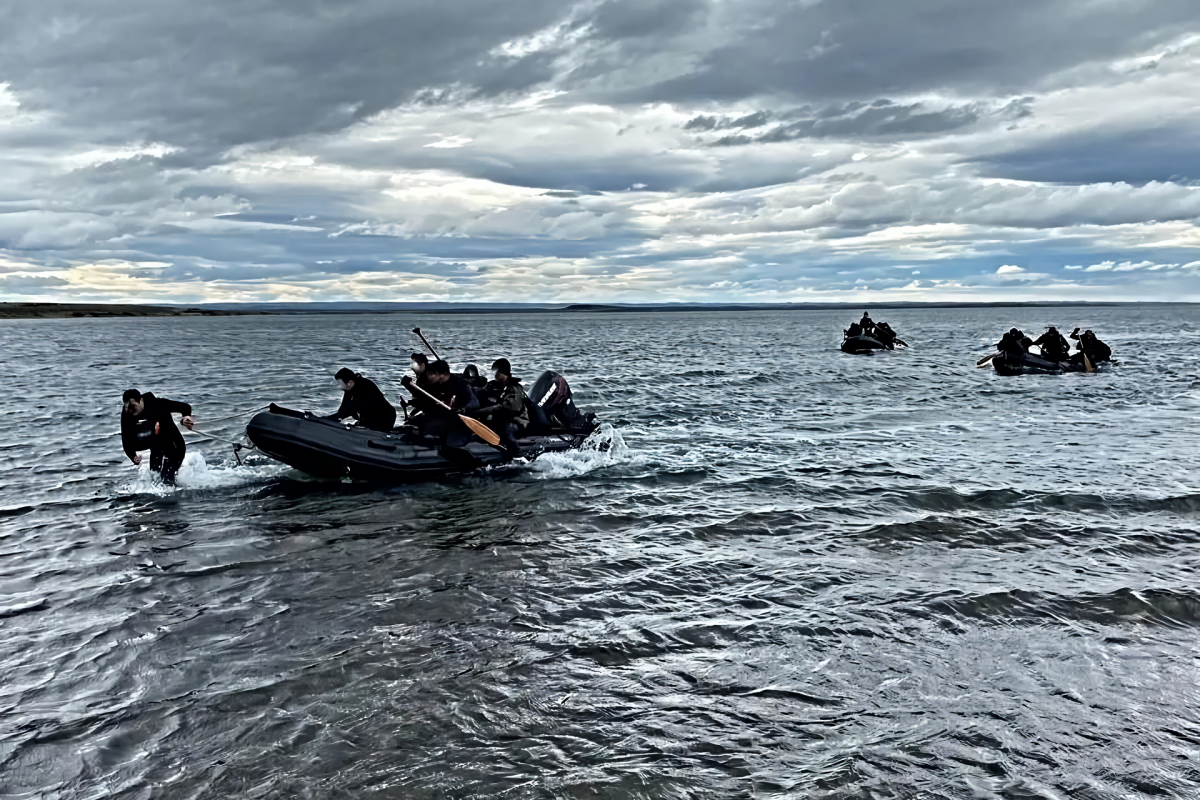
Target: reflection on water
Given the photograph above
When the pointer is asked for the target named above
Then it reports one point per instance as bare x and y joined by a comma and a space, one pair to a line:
780, 571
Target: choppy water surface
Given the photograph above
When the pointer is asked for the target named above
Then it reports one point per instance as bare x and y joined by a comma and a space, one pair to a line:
797, 573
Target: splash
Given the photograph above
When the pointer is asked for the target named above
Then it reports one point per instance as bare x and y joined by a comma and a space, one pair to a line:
604, 448
196, 473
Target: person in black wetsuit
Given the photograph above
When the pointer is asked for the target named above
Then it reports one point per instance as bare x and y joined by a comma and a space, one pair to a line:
363, 401
866, 324
1053, 344
146, 424
1012, 346
1096, 350
885, 335
454, 391
477, 382
420, 377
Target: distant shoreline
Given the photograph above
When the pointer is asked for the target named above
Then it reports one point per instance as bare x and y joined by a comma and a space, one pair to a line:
84, 310
105, 310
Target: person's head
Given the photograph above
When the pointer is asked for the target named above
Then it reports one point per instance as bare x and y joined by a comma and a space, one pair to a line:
502, 369
345, 378
419, 363
132, 402
438, 371
471, 372
1052, 329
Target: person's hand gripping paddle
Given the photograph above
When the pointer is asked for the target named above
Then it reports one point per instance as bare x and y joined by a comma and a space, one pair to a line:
477, 427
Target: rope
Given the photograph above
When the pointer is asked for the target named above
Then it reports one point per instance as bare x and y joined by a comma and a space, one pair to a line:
238, 414
237, 446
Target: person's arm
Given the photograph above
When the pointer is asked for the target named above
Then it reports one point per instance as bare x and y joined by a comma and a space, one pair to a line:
127, 439
177, 407
346, 409
470, 401
513, 399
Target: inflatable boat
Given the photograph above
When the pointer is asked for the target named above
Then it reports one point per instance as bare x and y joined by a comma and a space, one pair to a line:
1032, 364
862, 344
328, 448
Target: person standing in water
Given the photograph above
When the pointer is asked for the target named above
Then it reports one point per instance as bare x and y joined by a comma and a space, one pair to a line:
146, 424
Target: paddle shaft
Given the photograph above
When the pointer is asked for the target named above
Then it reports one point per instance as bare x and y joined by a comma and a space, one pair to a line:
477, 427
413, 385
417, 331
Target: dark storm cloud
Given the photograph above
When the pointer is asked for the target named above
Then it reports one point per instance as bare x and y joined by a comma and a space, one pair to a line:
633, 19
213, 74
882, 118
1135, 157
339, 149
873, 48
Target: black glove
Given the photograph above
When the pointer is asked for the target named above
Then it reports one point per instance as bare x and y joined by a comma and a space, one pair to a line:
406, 381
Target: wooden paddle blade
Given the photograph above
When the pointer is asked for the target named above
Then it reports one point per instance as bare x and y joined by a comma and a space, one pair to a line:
480, 430
985, 359
1087, 364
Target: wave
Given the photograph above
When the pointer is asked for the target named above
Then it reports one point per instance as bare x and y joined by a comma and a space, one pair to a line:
605, 448
196, 473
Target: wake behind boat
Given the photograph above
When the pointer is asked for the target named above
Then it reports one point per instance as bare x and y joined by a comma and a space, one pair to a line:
328, 448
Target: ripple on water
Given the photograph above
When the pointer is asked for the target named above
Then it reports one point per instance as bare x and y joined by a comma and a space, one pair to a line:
778, 571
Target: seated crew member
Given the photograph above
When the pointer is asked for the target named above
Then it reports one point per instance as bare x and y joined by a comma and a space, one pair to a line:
362, 400
420, 377
476, 381
454, 391
1017, 337
1054, 345
885, 335
854, 330
1096, 350
504, 406
146, 424
1011, 346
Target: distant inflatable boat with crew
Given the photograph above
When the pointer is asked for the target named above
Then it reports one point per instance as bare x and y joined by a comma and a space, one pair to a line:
1015, 354
867, 336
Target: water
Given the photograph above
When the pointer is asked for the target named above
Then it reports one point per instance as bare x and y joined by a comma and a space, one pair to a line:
795, 573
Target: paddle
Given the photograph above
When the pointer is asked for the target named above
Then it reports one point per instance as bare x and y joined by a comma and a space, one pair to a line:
983, 362
417, 331
477, 427
1087, 362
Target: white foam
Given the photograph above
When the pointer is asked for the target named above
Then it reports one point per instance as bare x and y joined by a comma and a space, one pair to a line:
195, 473
604, 448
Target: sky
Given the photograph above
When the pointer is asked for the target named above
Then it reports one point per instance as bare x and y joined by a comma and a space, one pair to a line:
759, 151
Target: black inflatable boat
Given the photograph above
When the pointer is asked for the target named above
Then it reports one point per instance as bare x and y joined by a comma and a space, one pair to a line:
862, 344
328, 448
1031, 364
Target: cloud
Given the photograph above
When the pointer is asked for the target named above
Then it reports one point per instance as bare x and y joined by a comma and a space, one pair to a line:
609, 149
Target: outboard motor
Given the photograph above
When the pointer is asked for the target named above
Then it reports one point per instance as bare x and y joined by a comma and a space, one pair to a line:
551, 401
